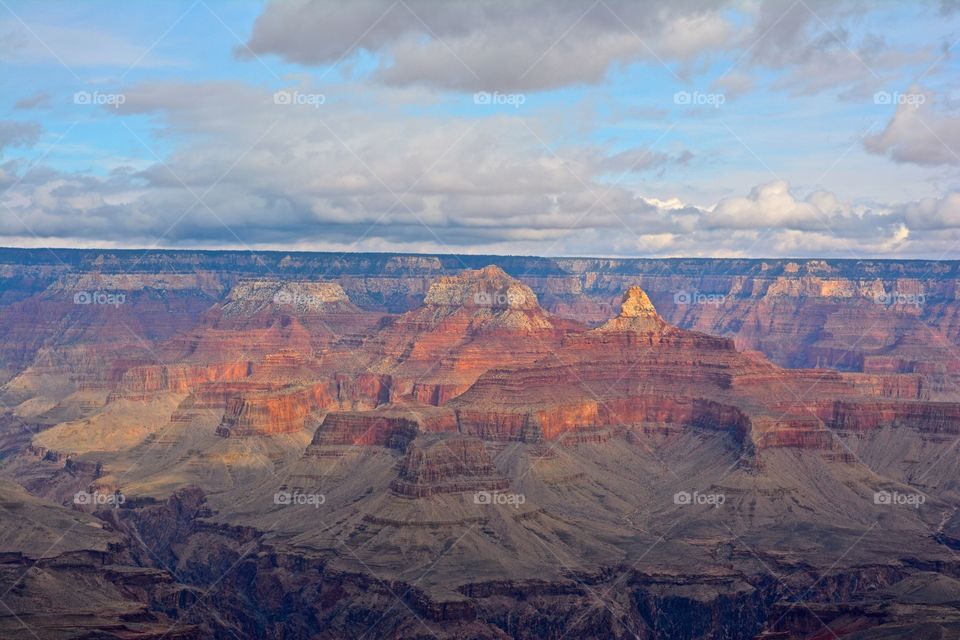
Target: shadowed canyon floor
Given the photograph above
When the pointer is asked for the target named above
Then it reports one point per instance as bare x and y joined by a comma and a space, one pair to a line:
403, 447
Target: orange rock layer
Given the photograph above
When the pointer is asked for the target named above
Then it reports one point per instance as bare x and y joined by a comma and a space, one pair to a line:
391, 426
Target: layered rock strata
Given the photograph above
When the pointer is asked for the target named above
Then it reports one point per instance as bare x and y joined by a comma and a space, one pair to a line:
446, 464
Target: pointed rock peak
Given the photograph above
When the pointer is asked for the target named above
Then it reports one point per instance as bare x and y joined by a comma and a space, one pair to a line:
637, 313
636, 304
489, 287
492, 271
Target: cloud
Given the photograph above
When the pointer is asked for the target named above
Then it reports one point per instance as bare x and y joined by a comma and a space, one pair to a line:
74, 46
247, 171
823, 45
948, 7
338, 178
638, 160
18, 134
934, 213
734, 84
34, 101
919, 132
281, 173
486, 45
396, 155
532, 45
773, 206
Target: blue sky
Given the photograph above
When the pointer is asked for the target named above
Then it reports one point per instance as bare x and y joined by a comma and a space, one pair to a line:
551, 128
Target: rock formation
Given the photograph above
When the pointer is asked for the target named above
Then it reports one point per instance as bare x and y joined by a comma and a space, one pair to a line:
636, 370
637, 314
467, 324
391, 425
447, 464
407, 448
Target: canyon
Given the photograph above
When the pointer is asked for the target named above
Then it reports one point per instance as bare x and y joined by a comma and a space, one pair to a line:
295, 445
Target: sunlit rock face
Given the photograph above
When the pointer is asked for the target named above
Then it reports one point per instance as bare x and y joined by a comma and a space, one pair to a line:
637, 313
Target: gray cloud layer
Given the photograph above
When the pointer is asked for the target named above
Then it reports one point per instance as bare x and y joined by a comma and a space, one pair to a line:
18, 134
541, 44
270, 174
483, 45
919, 132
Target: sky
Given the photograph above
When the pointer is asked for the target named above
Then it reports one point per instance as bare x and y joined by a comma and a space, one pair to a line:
787, 128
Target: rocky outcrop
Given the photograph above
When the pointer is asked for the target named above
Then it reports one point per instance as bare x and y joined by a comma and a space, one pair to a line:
248, 298
392, 426
637, 370
81, 323
145, 380
268, 315
927, 417
73, 576
467, 324
446, 464
637, 314
276, 411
